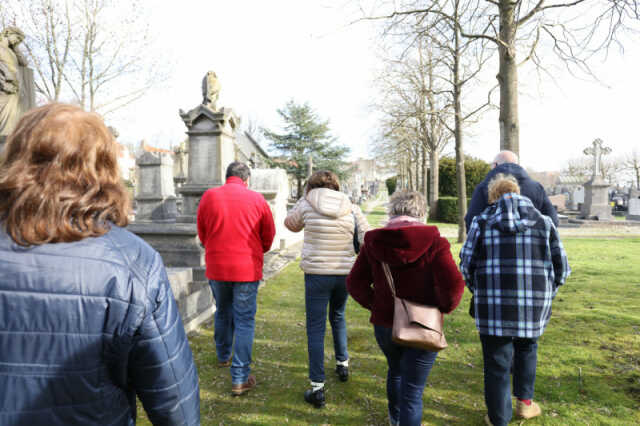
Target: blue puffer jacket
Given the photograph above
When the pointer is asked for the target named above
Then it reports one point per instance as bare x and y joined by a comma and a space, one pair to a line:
86, 326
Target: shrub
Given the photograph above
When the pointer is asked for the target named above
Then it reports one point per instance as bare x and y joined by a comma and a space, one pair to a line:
474, 170
391, 183
448, 209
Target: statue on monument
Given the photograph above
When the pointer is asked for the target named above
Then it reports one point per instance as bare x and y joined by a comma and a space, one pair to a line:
210, 90
10, 61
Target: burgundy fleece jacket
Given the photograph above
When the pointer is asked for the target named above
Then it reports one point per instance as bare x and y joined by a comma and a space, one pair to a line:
421, 264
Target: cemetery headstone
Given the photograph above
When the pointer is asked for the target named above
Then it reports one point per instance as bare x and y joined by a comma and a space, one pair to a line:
156, 199
596, 204
633, 212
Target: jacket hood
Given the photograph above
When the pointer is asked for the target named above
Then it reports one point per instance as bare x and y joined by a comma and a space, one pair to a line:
512, 213
329, 202
401, 244
509, 169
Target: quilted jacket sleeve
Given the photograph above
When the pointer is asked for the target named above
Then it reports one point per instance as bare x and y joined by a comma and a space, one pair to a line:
295, 220
363, 224
161, 367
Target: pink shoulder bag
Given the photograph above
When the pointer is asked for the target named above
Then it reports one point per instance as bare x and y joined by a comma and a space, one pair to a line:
415, 325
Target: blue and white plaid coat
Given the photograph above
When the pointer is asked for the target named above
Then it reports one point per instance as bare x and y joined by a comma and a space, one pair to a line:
513, 262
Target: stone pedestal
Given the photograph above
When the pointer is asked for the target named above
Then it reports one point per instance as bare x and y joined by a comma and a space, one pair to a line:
596, 200
194, 298
156, 197
211, 149
177, 243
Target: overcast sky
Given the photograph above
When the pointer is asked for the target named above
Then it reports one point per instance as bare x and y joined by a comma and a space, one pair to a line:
267, 52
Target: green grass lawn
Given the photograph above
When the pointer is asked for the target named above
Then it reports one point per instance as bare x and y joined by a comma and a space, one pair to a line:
588, 359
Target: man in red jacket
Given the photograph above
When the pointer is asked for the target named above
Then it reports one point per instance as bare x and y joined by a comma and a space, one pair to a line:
236, 228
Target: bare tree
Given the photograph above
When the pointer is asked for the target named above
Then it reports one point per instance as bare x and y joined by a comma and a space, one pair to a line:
414, 114
582, 169
462, 60
92, 52
631, 163
574, 30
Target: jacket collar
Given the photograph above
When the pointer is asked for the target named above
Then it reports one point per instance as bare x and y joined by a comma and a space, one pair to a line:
236, 180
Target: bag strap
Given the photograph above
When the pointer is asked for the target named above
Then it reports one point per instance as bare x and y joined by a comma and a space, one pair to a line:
387, 273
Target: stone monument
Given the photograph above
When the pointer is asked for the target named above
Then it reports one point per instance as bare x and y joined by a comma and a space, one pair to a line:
596, 190
156, 198
210, 148
17, 92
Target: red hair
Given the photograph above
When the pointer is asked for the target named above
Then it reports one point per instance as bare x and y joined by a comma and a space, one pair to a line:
59, 177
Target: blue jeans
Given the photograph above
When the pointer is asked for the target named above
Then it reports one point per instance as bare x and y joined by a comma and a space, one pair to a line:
406, 377
498, 353
235, 317
320, 291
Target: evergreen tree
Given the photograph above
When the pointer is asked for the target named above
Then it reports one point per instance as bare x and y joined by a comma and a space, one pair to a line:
306, 135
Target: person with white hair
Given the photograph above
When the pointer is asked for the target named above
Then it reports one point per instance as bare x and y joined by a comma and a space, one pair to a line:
423, 269
506, 162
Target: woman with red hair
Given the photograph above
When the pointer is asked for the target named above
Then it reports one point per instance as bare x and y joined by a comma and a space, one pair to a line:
87, 317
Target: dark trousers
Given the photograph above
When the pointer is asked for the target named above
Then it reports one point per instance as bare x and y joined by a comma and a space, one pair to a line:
499, 353
406, 378
320, 291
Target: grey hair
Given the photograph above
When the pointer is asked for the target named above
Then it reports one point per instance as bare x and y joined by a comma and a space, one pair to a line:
238, 169
505, 157
408, 203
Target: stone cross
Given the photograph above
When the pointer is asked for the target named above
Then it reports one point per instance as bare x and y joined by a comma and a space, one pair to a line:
597, 150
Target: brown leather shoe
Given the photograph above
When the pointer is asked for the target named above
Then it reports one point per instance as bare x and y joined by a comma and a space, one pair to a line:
237, 390
223, 364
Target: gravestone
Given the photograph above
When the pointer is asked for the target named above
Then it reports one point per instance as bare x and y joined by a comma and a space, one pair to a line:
576, 199
273, 184
633, 212
558, 201
156, 199
596, 190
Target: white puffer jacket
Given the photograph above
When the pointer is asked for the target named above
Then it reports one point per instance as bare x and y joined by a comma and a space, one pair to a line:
326, 216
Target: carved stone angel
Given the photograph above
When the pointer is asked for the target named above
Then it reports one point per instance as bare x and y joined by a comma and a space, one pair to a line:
210, 90
10, 60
